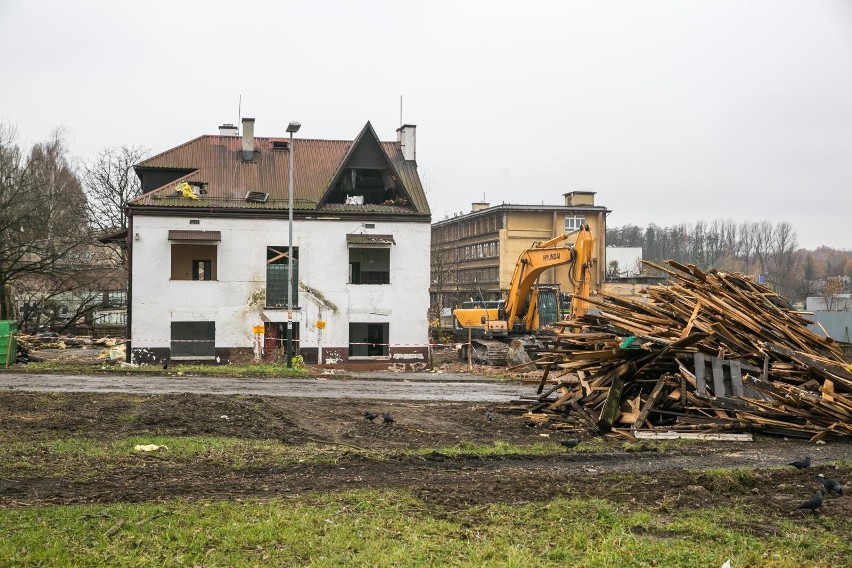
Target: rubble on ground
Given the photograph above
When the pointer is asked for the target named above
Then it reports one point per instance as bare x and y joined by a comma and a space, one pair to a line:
35, 347
714, 352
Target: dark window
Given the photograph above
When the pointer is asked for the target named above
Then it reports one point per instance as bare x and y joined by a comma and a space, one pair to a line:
277, 271
193, 339
275, 339
202, 269
369, 265
368, 339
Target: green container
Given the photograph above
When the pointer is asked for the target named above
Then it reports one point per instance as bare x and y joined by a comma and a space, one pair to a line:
8, 345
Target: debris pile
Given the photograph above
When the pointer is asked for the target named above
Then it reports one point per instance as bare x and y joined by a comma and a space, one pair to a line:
32, 347
713, 352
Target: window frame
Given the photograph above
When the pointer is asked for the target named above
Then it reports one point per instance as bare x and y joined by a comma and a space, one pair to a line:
569, 227
193, 348
366, 340
188, 255
278, 254
356, 267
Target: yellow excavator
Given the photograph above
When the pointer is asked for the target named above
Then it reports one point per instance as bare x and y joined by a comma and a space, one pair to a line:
529, 307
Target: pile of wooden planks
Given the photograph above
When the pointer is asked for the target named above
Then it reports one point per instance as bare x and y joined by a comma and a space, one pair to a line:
712, 352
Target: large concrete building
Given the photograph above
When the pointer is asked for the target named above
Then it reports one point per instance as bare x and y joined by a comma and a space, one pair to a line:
476, 253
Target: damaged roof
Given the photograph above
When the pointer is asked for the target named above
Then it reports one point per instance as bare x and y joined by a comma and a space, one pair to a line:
226, 178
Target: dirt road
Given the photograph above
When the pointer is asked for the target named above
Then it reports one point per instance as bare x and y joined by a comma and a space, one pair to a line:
450, 387
316, 445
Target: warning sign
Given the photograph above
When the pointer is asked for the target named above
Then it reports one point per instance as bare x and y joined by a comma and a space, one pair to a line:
320, 324
258, 329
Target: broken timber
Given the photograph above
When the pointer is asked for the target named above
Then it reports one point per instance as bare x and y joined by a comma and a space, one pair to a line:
712, 351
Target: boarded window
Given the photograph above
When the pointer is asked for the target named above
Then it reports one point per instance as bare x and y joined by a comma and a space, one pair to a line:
368, 339
277, 274
193, 339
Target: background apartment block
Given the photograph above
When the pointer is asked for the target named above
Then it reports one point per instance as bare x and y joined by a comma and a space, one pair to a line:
476, 253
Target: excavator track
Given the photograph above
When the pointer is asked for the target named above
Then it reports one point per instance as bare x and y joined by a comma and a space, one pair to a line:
486, 352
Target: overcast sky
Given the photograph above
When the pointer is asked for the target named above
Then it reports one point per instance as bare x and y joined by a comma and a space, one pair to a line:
671, 111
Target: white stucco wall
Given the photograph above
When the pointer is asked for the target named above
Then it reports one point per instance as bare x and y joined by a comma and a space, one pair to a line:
241, 271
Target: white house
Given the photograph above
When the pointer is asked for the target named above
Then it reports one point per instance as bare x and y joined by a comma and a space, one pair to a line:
208, 243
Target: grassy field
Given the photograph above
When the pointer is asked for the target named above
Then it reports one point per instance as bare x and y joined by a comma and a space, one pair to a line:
381, 528
112, 367
266, 481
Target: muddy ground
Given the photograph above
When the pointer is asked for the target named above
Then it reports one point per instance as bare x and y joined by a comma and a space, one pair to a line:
371, 455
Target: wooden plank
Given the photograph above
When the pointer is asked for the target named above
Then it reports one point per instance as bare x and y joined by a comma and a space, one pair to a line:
561, 401
611, 406
670, 435
652, 400
691, 321
810, 361
700, 370
718, 376
544, 378
581, 412
736, 378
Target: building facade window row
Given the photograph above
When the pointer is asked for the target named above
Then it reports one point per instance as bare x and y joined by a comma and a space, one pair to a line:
479, 225
481, 250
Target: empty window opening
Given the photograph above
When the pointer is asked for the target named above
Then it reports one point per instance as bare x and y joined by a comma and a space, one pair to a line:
277, 273
193, 340
193, 262
369, 265
363, 186
368, 339
275, 340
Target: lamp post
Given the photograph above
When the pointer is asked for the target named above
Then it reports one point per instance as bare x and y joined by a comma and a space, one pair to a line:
292, 128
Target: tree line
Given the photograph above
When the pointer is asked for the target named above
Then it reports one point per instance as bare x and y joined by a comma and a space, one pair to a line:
54, 272
756, 248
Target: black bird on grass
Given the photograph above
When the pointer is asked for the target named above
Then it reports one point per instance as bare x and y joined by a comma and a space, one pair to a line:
370, 415
165, 364
568, 444
813, 503
529, 423
801, 464
387, 418
489, 417
830, 485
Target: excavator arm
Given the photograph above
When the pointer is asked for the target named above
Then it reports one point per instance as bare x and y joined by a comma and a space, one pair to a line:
542, 256
580, 273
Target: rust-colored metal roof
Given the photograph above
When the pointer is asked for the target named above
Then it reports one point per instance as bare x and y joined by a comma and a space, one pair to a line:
216, 162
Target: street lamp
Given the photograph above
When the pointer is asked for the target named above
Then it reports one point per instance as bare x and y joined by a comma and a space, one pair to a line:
292, 128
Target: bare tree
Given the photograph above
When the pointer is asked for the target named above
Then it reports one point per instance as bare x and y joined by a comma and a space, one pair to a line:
612, 270
762, 243
42, 213
110, 183
830, 291
783, 260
